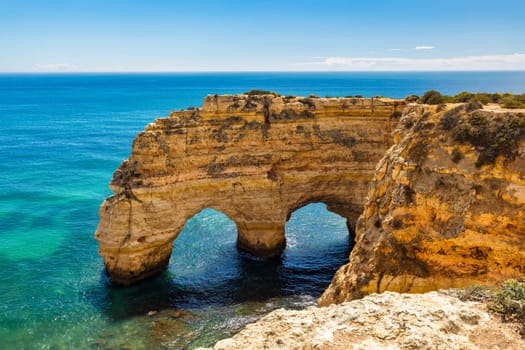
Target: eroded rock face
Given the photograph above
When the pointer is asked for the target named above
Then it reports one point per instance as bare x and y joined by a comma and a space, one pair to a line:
254, 158
446, 207
380, 321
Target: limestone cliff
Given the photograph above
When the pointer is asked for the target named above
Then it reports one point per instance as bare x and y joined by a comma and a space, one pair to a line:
255, 158
380, 321
446, 207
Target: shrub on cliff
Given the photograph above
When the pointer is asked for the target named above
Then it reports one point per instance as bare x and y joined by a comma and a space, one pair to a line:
475, 293
464, 96
491, 138
512, 102
482, 97
412, 98
509, 302
473, 104
261, 92
485, 98
432, 97
506, 100
451, 118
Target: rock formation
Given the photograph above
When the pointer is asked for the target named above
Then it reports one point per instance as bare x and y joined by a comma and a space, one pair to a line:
255, 158
446, 207
380, 321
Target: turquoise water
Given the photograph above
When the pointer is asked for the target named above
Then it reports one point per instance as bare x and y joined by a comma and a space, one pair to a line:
61, 138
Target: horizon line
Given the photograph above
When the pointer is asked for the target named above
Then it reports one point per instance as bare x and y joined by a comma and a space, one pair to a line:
264, 71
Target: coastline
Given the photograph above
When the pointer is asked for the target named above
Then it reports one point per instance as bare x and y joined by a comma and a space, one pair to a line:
66, 137
434, 320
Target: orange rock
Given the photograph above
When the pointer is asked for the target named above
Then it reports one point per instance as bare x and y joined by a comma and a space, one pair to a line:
255, 158
430, 222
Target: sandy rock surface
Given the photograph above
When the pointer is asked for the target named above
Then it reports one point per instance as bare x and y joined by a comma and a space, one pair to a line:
380, 321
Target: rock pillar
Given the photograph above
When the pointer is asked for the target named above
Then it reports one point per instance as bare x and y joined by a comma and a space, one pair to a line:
262, 239
132, 267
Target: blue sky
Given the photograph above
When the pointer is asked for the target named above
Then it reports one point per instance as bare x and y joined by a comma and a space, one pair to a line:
284, 35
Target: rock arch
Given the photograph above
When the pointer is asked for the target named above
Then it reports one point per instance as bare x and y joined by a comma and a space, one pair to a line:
350, 221
254, 158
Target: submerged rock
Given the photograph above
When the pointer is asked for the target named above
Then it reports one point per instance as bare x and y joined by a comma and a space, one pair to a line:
380, 321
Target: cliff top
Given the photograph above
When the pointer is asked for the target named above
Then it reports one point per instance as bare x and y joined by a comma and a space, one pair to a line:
267, 102
272, 102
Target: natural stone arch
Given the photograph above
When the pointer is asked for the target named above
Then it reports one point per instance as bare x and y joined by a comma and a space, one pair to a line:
350, 230
254, 158
207, 225
216, 211
338, 204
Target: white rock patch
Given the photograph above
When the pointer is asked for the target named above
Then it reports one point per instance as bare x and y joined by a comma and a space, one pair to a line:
380, 321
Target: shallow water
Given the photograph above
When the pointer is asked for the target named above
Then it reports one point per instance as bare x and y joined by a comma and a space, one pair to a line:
61, 138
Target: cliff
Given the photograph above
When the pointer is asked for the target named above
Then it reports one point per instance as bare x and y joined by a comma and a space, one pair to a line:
446, 207
380, 321
255, 158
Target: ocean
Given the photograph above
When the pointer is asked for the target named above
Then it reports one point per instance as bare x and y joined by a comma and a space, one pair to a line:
61, 138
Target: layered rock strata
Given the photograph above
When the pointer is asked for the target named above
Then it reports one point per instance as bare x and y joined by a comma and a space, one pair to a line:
380, 321
446, 207
254, 158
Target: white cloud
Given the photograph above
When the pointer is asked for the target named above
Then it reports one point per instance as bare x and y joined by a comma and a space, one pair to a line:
56, 67
494, 62
425, 47
395, 49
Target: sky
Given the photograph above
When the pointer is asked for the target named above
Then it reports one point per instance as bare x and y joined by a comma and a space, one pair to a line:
283, 35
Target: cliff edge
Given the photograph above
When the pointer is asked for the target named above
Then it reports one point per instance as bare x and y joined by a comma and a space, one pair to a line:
446, 207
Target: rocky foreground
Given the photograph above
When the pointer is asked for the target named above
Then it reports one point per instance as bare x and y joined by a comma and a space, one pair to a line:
381, 321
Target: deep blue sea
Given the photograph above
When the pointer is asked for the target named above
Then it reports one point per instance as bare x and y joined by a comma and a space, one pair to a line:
61, 138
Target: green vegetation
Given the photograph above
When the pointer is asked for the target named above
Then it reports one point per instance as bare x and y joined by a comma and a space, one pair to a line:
261, 92
473, 105
491, 137
432, 97
478, 293
412, 98
508, 300
474, 100
451, 118
513, 102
